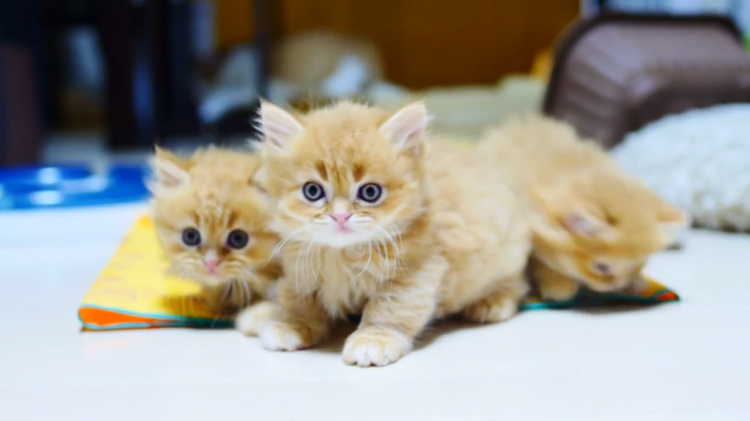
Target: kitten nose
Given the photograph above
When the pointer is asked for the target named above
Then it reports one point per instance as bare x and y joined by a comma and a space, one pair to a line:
211, 265
341, 218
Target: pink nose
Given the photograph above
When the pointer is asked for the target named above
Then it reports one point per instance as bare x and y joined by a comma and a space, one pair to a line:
341, 218
211, 266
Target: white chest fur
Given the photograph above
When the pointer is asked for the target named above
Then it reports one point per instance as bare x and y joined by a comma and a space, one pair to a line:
342, 279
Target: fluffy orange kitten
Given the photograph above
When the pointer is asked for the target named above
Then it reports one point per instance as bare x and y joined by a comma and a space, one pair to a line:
212, 222
592, 223
373, 224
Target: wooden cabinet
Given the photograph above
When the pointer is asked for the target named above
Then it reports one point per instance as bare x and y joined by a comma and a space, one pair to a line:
424, 42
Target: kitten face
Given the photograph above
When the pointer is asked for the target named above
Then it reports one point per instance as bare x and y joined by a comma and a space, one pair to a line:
210, 219
599, 272
346, 175
605, 244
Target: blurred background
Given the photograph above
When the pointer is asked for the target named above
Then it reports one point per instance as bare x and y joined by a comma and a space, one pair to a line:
99, 82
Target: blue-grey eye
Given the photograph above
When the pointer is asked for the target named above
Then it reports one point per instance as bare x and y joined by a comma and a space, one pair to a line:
237, 239
370, 192
191, 237
313, 191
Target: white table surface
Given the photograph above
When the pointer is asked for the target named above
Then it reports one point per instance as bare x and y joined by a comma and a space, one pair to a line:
685, 361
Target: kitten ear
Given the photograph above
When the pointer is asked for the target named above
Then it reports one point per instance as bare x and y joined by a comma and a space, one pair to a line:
672, 222
407, 126
546, 228
279, 127
582, 223
170, 172
258, 180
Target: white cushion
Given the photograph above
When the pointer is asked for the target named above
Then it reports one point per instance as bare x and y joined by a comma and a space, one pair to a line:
699, 161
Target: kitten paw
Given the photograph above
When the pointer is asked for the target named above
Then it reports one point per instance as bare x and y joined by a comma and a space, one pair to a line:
559, 290
491, 310
282, 336
250, 320
375, 346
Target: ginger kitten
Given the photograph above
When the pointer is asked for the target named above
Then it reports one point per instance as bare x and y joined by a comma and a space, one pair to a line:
371, 225
212, 222
593, 224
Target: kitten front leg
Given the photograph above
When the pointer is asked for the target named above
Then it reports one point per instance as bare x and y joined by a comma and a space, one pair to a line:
553, 285
394, 317
501, 304
303, 325
252, 319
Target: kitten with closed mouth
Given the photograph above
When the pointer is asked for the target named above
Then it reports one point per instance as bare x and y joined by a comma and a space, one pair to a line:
212, 222
374, 223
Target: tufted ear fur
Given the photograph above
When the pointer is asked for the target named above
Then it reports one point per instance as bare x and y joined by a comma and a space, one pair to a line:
406, 128
279, 127
672, 222
170, 172
582, 223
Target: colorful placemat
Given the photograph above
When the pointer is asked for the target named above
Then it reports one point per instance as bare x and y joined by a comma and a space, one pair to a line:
134, 291
648, 292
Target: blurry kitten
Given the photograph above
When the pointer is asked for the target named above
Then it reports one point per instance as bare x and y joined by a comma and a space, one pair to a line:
363, 232
212, 222
323, 64
592, 223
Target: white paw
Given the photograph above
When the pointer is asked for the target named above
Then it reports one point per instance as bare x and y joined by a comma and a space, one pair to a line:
280, 336
492, 311
375, 347
250, 320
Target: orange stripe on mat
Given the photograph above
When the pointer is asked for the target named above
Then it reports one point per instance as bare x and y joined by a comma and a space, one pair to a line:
103, 317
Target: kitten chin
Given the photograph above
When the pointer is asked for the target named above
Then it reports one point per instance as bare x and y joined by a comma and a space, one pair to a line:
592, 223
211, 220
440, 238
343, 240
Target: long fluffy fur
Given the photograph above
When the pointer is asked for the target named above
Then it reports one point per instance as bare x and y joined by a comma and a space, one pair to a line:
446, 239
213, 192
592, 223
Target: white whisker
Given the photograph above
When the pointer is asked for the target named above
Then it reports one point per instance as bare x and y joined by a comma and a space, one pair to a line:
296, 270
369, 259
319, 254
249, 295
285, 240
307, 261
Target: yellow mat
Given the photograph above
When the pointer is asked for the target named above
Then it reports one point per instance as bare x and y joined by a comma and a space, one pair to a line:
134, 290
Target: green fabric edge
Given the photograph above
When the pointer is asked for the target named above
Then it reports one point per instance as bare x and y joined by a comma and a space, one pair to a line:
590, 299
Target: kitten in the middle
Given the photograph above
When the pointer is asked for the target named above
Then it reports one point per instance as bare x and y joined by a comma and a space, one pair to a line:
373, 223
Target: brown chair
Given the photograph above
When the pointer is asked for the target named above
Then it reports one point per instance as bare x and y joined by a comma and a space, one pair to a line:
615, 73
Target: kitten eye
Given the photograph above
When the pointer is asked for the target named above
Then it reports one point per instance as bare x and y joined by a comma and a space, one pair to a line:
602, 268
313, 191
370, 192
191, 237
237, 239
